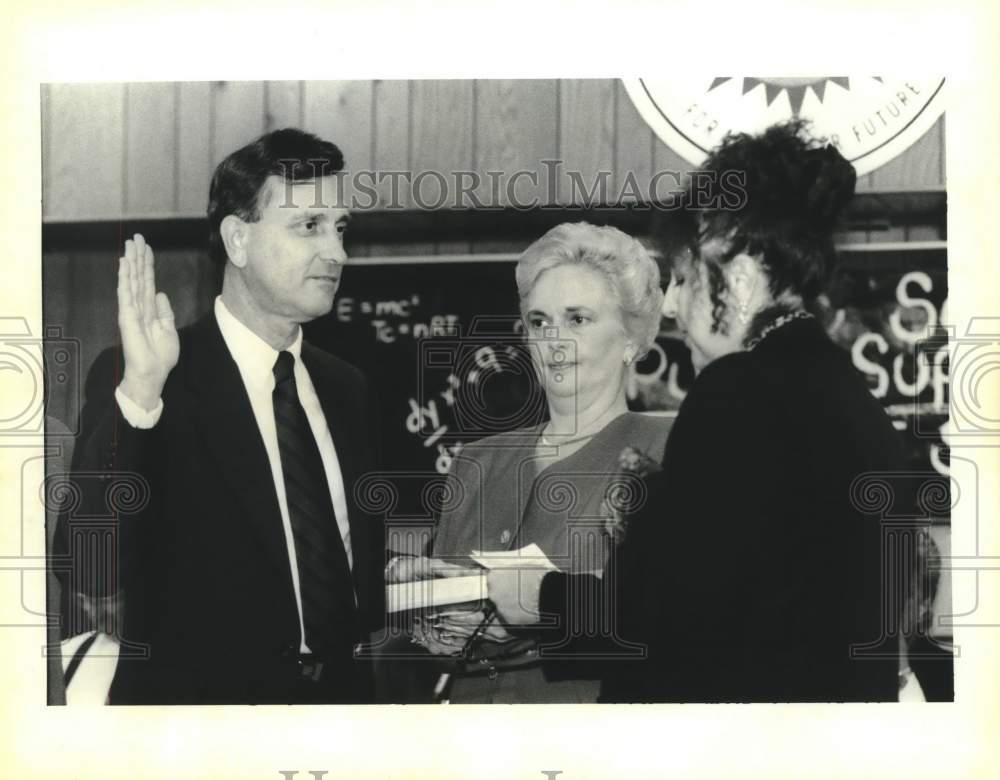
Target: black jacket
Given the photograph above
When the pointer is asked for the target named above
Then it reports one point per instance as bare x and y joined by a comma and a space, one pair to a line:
209, 609
754, 571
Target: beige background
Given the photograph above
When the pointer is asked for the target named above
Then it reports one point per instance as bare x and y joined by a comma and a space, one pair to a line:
153, 151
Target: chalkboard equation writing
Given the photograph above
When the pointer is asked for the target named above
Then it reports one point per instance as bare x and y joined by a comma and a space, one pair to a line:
460, 399
391, 319
422, 418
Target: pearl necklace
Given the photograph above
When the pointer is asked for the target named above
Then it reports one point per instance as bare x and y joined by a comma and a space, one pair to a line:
782, 320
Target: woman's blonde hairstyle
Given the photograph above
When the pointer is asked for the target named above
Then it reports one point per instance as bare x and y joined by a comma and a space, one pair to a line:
621, 260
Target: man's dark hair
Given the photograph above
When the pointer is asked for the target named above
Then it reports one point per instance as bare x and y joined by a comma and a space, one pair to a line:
292, 154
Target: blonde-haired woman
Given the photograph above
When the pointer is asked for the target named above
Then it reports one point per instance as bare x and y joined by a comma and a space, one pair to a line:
590, 301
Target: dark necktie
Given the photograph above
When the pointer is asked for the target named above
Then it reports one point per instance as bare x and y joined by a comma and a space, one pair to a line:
324, 573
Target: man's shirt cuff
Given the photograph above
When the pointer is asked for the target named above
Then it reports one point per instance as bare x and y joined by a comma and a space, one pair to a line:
134, 414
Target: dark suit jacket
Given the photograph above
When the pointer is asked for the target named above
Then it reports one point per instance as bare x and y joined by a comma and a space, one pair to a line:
752, 570
204, 563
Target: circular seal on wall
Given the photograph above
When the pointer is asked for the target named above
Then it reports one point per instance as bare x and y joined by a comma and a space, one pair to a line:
870, 119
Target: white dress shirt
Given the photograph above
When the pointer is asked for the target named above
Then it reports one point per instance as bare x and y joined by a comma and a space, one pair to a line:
255, 360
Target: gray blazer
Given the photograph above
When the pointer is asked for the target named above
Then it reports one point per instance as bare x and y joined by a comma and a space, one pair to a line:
504, 500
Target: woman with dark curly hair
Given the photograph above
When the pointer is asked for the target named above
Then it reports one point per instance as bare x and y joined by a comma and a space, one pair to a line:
749, 574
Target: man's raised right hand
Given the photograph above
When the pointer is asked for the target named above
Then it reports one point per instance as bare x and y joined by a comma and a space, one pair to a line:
146, 323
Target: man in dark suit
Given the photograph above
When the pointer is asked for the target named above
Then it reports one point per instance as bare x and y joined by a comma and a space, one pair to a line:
249, 573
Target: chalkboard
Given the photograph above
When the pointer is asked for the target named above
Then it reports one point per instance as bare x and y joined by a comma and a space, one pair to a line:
442, 344
889, 310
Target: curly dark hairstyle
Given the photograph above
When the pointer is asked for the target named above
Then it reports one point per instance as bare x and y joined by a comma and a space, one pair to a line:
292, 154
790, 191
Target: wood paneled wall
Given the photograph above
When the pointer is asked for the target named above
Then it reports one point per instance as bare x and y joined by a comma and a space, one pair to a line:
141, 150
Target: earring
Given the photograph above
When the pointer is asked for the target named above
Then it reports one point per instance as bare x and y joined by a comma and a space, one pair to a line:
629, 356
744, 313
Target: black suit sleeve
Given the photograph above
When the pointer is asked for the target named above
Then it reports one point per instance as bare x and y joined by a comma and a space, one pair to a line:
110, 480
687, 551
